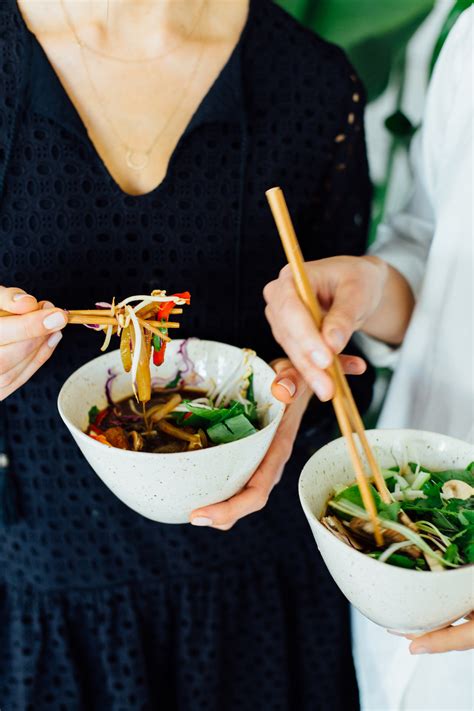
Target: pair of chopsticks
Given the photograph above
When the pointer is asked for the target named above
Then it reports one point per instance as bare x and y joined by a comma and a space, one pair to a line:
347, 414
103, 317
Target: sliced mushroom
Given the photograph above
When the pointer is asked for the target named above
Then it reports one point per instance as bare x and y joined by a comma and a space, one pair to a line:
335, 526
365, 531
204, 439
137, 441
117, 437
177, 433
456, 489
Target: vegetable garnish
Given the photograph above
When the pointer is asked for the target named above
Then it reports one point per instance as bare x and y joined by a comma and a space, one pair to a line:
184, 414
142, 322
441, 510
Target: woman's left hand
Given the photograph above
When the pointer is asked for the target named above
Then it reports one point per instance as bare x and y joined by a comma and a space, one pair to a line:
457, 638
290, 388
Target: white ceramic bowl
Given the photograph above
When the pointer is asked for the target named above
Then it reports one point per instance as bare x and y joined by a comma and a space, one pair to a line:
168, 487
395, 598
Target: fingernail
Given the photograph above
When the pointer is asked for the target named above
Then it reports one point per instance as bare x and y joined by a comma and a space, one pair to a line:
201, 521
419, 650
288, 385
54, 339
18, 297
56, 320
336, 339
48, 305
320, 390
352, 366
320, 358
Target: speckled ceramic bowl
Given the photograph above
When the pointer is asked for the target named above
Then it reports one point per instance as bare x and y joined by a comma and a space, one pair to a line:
395, 598
168, 487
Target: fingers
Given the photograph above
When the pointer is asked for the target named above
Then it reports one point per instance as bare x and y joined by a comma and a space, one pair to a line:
344, 287
295, 331
302, 356
31, 364
345, 316
225, 514
291, 322
289, 384
16, 301
254, 496
458, 638
34, 324
353, 365
15, 355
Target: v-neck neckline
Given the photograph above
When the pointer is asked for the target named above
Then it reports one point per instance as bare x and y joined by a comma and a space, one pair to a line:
204, 113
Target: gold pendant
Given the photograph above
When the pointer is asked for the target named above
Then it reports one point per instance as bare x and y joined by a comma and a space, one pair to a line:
136, 160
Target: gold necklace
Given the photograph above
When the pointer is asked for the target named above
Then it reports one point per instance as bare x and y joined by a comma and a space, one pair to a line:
136, 159
127, 60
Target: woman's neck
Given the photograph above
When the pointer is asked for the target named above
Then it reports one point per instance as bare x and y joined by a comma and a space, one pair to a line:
175, 17
143, 27
137, 28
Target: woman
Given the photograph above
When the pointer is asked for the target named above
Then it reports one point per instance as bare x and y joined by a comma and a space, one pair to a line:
412, 300
137, 142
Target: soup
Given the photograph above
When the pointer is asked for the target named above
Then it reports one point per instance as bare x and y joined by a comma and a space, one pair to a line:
428, 526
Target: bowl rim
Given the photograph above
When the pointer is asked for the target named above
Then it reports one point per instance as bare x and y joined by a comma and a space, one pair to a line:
322, 530
176, 455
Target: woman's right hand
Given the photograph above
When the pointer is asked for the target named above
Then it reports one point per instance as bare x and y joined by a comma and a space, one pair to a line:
350, 290
27, 338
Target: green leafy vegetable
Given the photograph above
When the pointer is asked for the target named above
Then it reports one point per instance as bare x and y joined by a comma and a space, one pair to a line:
175, 382
231, 430
93, 412
401, 561
465, 475
445, 525
250, 391
451, 554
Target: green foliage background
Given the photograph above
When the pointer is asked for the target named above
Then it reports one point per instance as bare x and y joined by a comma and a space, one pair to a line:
374, 33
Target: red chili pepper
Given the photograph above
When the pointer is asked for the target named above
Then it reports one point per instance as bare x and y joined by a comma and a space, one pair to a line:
187, 416
100, 417
165, 310
95, 429
159, 356
163, 314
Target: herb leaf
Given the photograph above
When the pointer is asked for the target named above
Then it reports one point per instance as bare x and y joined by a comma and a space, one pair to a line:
93, 412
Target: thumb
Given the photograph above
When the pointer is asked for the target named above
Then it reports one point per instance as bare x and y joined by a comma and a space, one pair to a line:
344, 317
16, 301
288, 384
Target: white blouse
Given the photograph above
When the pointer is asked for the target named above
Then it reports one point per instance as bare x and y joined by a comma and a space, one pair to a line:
431, 243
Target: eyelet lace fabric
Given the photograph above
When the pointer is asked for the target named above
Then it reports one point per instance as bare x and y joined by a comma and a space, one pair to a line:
99, 607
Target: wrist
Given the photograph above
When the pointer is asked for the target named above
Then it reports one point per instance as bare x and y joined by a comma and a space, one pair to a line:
376, 277
393, 303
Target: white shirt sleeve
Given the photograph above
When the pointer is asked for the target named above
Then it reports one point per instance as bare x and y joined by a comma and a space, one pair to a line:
404, 240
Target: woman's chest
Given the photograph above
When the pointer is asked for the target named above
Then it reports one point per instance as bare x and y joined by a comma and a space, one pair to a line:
66, 226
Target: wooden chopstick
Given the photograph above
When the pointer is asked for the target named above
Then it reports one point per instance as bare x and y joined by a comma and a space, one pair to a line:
104, 312
345, 408
99, 317
111, 321
88, 312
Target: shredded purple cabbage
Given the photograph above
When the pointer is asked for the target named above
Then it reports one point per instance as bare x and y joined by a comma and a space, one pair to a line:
103, 305
182, 372
108, 384
93, 326
188, 363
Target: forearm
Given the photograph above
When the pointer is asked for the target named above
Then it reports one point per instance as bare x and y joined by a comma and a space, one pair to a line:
389, 321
